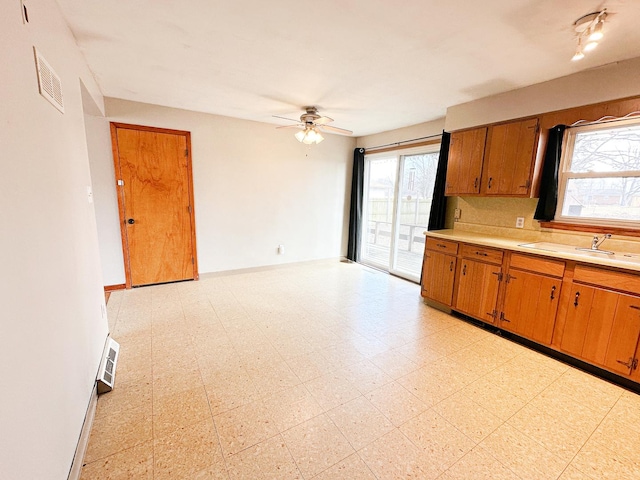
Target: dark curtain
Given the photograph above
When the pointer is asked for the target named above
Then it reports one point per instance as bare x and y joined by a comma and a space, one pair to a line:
439, 202
355, 218
548, 201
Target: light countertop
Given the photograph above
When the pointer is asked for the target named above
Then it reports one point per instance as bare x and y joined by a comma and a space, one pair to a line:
619, 260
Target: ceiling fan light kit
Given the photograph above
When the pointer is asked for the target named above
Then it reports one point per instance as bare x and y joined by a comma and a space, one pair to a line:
588, 30
311, 123
309, 136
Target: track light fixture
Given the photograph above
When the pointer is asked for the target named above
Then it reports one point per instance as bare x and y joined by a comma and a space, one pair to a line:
589, 32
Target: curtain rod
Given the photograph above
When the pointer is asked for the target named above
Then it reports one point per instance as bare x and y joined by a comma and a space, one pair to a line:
403, 141
605, 119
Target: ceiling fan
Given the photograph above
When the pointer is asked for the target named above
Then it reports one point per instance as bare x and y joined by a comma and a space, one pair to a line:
311, 123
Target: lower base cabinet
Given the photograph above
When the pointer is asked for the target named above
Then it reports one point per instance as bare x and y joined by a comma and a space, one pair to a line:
478, 286
603, 327
599, 319
532, 290
530, 305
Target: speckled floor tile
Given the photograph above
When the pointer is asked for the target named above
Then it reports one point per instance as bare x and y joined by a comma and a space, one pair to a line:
244, 427
360, 422
135, 462
266, 460
335, 371
316, 445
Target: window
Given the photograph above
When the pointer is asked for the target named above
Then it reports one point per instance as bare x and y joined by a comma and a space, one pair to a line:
599, 180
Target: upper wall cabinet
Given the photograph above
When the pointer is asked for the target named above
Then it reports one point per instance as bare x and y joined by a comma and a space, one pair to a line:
509, 158
466, 153
495, 160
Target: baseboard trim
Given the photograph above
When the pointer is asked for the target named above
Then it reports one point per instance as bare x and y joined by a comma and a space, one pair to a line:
264, 268
83, 441
111, 288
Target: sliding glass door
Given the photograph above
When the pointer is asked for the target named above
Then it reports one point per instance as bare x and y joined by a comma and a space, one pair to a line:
397, 200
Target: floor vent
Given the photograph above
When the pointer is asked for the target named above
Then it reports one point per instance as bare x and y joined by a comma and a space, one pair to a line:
49, 82
107, 372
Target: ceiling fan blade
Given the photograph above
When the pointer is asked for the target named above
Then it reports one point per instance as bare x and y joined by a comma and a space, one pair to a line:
335, 130
285, 118
323, 120
297, 125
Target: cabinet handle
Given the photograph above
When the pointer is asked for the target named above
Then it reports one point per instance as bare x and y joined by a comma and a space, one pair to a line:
482, 254
575, 302
489, 184
475, 183
526, 185
464, 269
635, 307
451, 266
553, 290
439, 245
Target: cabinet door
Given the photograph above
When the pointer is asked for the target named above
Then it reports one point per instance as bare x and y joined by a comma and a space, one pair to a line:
588, 323
530, 305
623, 339
438, 274
478, 289
510, 157
464, 166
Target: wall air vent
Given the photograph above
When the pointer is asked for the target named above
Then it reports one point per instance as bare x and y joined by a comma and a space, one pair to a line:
107, 371
48, 82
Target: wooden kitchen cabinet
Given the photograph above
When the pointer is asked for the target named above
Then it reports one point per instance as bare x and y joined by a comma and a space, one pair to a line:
464, 166
438, 270
479, 276
532, 289
602, 326
509, 158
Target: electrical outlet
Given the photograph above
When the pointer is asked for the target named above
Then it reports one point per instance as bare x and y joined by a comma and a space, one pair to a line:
457, 213
519, 222
280, 249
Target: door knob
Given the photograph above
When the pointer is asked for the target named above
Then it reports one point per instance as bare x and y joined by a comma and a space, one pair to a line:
131, 221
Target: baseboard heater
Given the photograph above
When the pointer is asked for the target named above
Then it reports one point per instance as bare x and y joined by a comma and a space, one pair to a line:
107, 371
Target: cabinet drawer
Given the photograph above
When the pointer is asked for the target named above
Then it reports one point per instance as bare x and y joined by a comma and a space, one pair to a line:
545, 266
489, 255
626, 282
440, 245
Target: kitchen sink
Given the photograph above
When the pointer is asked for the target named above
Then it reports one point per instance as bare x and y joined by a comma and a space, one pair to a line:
585, 252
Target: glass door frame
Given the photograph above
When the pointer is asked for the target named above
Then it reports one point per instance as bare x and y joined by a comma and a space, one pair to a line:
395, 224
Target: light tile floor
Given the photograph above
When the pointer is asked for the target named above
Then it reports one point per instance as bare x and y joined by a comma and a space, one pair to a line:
335, 371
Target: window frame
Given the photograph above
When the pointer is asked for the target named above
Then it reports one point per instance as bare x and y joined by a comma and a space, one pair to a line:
564, 175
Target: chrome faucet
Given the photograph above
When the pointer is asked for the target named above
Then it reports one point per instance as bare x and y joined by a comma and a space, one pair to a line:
596, 242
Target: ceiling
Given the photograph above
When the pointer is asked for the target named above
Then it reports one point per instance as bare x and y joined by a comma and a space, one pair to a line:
372, 65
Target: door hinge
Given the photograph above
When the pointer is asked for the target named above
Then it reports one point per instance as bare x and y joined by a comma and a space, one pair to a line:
189, 208
193, 261
632, 364
186, 152
121, 183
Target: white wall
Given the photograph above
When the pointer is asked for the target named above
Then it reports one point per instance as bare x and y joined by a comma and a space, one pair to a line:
255, 187
51, 326
610, 82
105, 199
426, 129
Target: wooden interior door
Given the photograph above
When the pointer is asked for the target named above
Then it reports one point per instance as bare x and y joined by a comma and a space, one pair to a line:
155, 197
